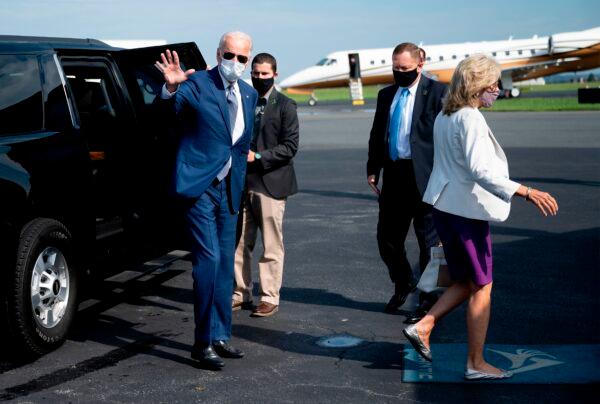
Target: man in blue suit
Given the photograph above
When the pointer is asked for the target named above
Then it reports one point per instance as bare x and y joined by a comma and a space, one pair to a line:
215, 112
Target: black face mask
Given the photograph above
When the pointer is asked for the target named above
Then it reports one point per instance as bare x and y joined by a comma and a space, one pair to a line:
405, 79
262, 85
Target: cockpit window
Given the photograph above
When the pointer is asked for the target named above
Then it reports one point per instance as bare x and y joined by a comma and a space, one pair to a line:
326, 62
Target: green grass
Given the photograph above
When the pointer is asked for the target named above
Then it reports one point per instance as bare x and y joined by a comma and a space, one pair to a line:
336, 94
513, 104
558, 87
542, 104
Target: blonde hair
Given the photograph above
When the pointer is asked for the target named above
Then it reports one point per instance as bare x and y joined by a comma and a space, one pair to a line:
472, 75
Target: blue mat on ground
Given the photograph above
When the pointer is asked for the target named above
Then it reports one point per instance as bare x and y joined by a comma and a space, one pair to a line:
530, 364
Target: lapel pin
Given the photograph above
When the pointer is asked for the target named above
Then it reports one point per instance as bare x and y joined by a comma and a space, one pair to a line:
424, 92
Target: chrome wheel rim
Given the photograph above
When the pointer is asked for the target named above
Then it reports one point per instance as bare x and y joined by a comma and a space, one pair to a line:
49, 287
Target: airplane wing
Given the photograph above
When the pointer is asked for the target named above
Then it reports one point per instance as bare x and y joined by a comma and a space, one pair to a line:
571, 61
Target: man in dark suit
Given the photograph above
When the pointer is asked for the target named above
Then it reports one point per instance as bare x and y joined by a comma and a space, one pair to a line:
215, 114
270, 180
401, 144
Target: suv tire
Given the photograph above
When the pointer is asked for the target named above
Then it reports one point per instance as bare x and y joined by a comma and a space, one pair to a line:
42, 295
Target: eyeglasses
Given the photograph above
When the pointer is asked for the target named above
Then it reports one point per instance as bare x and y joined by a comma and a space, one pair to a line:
231, 55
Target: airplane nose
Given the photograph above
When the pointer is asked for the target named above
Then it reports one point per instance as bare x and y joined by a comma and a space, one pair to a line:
303, 77
290, 81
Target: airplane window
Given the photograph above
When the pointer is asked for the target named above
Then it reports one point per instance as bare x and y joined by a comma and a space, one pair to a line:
493, 53
372, 62
441, 58
453, 56
533, 51
322, 62
520, 52
466, 55
332, 62
428, 58
507, 53
382, 61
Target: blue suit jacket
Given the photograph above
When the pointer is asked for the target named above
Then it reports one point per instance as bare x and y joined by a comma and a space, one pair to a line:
205, 144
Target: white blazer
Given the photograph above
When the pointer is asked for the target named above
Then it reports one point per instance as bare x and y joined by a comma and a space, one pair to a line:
470, 171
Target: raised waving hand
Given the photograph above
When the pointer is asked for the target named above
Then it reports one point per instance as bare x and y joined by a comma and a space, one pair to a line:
171, 70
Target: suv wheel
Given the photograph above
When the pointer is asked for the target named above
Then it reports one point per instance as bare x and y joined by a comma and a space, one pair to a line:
42, 301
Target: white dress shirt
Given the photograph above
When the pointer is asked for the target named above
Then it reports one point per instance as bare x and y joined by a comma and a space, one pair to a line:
407, 113
238, 129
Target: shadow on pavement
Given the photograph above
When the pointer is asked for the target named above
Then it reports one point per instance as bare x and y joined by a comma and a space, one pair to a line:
323, 297
378, 354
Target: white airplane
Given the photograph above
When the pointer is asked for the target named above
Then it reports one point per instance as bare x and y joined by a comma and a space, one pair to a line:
520, 59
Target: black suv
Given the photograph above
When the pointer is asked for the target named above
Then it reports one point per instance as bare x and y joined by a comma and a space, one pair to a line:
85, 162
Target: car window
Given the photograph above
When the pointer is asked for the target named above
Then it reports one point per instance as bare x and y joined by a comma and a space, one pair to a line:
21, 107
97, 102
150, 82
58, 113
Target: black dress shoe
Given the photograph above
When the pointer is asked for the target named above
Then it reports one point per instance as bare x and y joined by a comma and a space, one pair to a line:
227, 351
207, 357
416, 316
399, 298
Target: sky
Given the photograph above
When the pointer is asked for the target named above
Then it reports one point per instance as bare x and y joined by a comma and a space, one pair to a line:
298, 33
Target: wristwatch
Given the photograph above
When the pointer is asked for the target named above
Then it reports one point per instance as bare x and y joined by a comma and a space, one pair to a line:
257, 156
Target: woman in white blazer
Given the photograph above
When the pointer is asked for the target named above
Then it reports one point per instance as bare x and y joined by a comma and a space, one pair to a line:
468, 187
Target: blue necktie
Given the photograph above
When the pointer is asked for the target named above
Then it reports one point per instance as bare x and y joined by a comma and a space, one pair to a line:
396, 124
233, 106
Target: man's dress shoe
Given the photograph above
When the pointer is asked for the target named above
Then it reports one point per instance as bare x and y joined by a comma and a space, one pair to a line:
412, 336
207, 357
472, 374
265, 309
416, 316
398, 299
227, 351
238, 305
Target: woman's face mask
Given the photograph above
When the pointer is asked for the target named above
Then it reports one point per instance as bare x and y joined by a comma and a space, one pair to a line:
488, 97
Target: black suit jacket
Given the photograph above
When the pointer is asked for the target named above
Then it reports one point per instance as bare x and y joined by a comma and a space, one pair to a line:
428, 103
277, 143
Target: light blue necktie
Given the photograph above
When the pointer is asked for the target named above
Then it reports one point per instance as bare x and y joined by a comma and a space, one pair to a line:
396, 124
232, 104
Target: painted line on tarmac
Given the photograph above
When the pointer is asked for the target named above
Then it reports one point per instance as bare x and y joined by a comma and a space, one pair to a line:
530, 364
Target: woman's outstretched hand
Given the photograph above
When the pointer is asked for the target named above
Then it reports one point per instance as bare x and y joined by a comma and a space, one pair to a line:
543, 200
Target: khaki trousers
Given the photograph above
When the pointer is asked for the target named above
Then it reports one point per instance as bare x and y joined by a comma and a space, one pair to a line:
264, 213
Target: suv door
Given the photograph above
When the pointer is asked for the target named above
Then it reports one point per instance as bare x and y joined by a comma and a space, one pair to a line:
156, 139
107, 124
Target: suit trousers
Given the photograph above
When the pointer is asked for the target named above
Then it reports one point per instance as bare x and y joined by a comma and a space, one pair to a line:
264, 213
212, 231
400, 204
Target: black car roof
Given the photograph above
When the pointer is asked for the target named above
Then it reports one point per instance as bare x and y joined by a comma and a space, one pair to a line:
15, 43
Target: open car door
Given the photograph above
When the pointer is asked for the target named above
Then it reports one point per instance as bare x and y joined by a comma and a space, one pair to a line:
155, 139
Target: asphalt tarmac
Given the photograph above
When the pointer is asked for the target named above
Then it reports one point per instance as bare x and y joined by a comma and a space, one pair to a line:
132, 338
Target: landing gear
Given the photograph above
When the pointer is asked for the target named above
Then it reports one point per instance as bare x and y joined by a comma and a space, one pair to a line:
312, 101
510, 93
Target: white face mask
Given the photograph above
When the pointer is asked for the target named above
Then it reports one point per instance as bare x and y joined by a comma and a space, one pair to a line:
231, 70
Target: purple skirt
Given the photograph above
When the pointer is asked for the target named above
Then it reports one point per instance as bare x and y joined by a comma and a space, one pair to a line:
467, 247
